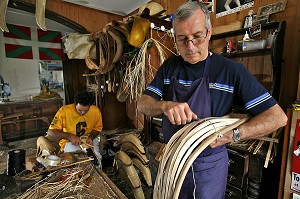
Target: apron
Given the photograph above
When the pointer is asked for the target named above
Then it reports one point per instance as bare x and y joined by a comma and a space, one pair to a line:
207, 177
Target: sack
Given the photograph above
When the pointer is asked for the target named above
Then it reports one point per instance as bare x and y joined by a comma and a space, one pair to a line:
77, 46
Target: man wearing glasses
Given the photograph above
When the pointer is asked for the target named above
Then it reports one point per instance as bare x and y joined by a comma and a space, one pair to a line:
199, 84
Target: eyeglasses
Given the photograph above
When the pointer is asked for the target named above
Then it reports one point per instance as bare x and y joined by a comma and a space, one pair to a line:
196, 40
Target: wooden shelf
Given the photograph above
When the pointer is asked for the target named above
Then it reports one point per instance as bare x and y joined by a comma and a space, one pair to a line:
271, 25
276, 51
247, 53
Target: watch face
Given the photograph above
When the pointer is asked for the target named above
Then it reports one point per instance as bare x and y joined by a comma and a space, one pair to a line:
236, 135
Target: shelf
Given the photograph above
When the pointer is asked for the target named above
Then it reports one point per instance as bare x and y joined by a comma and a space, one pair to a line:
271, 25
276, 52
247, 53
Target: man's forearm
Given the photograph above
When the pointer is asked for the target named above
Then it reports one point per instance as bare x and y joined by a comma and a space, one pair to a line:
149, 106
264, 123
94, 134
258, 126
55, 134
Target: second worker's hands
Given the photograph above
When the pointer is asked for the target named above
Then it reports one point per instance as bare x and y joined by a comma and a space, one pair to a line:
89, 140
74, 139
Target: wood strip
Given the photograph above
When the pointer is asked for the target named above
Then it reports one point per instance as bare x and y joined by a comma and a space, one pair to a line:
199, 149
269, 151
260, 143
56, 168
17, 115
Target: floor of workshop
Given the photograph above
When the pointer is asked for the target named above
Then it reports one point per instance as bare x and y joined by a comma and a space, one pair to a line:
29, 145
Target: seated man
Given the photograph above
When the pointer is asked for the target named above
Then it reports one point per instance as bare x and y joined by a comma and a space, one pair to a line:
71, 123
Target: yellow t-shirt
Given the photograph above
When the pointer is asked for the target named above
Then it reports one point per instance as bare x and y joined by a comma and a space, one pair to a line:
67, 119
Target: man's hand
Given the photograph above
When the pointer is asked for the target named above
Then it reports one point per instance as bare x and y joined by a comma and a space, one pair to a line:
226, 138
74, 139
178, 113
89, 140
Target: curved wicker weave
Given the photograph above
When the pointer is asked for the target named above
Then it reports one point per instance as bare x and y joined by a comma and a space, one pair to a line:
184, 147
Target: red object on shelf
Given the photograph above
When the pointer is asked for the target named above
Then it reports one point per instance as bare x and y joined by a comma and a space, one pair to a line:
229, 46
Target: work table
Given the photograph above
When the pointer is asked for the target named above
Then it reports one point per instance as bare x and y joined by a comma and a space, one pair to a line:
24, 119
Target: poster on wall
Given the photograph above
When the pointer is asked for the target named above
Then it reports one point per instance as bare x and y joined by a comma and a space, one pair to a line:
226, 7
295, 183
271, 8
51, 74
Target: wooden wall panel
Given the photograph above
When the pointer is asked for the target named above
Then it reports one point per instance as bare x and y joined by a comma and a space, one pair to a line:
291, 54
93, 20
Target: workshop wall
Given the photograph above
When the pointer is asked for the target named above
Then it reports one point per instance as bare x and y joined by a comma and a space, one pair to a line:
290, 87
291, 48
95, 20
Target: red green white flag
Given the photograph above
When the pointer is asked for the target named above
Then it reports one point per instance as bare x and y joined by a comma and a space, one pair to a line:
18, 51
31, 43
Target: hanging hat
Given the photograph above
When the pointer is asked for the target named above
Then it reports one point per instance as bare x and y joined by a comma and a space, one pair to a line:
138, 31
155, 8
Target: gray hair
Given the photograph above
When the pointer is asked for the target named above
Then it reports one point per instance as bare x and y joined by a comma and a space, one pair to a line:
187, 9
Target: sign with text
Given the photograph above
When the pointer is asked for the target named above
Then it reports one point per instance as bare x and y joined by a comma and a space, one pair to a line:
255, 30
295, 184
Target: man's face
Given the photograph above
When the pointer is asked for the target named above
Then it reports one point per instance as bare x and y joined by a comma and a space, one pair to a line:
192, 37
82, 110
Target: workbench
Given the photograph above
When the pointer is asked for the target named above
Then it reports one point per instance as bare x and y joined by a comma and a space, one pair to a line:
25, 119
81, 179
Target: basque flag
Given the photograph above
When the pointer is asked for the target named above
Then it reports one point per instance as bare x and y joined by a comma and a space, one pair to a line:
31, 43
17, 49
18, 32
50, 40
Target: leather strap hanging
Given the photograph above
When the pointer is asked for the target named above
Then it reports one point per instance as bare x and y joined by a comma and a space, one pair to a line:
3, 9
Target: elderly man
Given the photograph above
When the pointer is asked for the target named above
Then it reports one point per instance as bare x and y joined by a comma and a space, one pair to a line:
199, 84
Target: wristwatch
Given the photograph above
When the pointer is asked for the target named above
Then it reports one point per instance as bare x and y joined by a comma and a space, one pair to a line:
236, 135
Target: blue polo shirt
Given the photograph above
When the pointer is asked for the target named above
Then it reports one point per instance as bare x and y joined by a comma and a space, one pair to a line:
230, 84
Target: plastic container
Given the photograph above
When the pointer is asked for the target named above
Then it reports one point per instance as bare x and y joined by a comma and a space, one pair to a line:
246, 37
254, 45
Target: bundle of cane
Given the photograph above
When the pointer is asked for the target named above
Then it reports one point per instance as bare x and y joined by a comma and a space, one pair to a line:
184, 147
68, 183
135, 73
